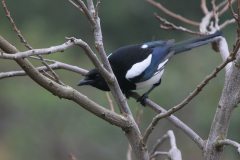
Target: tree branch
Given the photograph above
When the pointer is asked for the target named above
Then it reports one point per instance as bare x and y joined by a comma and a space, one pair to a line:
172, 14
134, 135
174, 27
157, 144
66, 91
204, 7
174, 153
221, 143
56, 65
56, 78
178, 123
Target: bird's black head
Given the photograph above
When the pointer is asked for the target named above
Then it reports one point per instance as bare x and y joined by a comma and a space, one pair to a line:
95, 79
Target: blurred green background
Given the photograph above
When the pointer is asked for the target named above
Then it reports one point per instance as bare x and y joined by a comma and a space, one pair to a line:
34, 124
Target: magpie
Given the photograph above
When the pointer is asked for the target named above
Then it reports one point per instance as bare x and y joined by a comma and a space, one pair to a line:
141, 65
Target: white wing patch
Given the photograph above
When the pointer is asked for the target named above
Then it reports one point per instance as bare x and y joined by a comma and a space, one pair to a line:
138, 68
162, 64
144, 46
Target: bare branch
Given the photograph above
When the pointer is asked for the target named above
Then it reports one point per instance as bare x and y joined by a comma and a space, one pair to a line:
75, 5
205, 22
173, 27
110, 102
221, 143
47, 75
97, 9
204, 7
129, 152
227, 22
86, 12
27, 45
71, 156
66, 91
15, 27
134, 135
157, 144
56, 65
54, 49
62, 48
112, 82
223, 48
231, 9
158, 153
224, 8
186, 101
173, 14
174, 152
214, 10
177, 122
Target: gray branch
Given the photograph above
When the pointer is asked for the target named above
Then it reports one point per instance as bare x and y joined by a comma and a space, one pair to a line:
228, 101
66, 91
56, 65
134, 135
174, 153
178, 123
221, 143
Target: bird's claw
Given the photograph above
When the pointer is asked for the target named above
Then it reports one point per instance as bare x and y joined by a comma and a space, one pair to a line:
142, 99
127, 94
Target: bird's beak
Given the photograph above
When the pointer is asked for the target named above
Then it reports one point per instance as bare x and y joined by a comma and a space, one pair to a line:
85, 81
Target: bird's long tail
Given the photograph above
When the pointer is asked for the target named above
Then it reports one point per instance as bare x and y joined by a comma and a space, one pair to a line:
194, 42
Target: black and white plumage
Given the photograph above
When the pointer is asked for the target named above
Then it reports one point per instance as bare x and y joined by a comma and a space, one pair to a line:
141, 65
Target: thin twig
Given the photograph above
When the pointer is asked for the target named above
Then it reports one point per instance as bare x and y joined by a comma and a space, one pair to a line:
57, 65
157, 153
129, 152
27, 45
15, 27
48, 75
204, 7
225, 8
97, 9
75, 5
231, 9
71, 156
47, 60
158, 143
173, 27
173, 14
174, 153
214, 8
227, 22
110, 101
86, 12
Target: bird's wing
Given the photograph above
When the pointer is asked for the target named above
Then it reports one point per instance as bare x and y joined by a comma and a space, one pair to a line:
139, 62
154, 63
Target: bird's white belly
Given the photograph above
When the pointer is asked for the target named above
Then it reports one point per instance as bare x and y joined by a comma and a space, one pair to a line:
150, 81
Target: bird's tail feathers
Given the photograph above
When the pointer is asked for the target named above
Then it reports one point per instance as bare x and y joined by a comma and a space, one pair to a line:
194, 42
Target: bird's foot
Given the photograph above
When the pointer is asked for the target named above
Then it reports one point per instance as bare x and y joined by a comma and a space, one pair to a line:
127, 94
142, 99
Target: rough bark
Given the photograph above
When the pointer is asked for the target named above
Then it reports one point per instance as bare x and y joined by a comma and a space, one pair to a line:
229, 100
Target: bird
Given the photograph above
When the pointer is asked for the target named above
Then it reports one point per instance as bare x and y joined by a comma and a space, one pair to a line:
140, 66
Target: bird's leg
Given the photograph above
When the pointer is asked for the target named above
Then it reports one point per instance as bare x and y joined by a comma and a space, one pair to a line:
127, 94
143, 98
